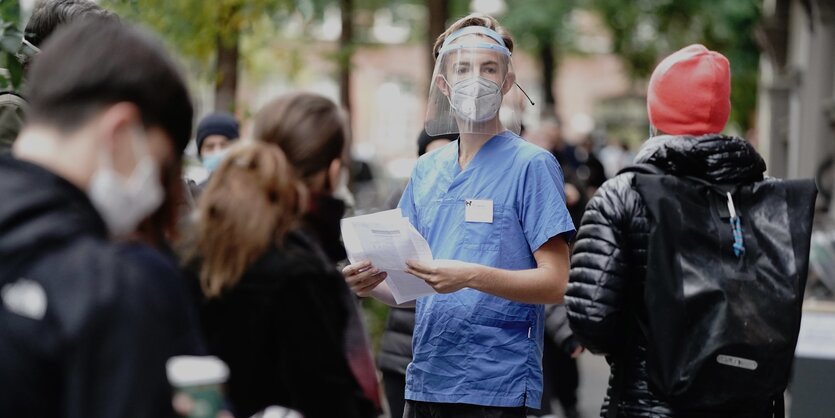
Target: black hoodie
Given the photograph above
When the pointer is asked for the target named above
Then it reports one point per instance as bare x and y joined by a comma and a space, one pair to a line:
85, 325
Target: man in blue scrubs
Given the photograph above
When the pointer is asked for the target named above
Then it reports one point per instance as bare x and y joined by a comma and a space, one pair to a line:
492, 208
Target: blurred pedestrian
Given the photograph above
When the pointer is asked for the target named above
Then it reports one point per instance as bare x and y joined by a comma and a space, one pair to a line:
687, 271
561, 377
615, 156
271, 306
590, 170
396, 343
85, 330
559, 364
313, 133
549, 137
492, 208
47, 16
215, 133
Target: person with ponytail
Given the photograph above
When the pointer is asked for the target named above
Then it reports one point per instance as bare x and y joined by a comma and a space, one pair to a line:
271, 303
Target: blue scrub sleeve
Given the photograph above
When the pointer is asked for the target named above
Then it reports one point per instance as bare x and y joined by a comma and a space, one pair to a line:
544, 214
407, 204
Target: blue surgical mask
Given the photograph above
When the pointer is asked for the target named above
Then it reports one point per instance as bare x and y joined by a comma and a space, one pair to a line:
212, 162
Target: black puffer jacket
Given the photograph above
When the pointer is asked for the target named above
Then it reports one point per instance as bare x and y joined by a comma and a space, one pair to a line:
396, 344
605, 294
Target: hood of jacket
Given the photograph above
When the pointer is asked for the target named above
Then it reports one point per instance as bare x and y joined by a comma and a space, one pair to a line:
715, 158
39, 209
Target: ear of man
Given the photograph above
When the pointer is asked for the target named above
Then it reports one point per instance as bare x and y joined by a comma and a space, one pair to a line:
116, 129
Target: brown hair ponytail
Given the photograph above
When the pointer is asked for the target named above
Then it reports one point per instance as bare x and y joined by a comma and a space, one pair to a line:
251, 202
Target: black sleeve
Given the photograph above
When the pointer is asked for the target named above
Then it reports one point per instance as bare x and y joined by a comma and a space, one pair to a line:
117, 369
315, 365
595, 295
557, 328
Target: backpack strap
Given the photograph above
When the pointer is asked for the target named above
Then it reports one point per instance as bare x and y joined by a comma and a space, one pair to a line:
779, 406
643, 168
651, 169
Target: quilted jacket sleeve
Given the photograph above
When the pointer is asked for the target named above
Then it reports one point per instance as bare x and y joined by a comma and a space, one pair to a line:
599, 268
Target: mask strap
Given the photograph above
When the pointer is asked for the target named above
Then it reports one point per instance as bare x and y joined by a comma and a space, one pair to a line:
141, 153
525, 93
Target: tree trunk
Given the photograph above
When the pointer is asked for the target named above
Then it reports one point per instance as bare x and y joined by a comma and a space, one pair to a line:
345, 47
548, 57
226, 83
438, 15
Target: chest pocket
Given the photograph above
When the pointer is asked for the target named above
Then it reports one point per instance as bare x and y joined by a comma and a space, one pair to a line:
482, 236
444, 220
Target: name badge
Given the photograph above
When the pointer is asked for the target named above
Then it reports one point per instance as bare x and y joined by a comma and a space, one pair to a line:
478, 211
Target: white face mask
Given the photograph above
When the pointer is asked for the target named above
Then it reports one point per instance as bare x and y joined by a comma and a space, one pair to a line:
124, 202
212, 162
476, 99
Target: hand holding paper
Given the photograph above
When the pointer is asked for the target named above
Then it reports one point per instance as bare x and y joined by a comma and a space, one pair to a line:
387, 240
445, 276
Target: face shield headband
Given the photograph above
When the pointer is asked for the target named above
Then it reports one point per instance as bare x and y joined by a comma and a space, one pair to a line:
474, 30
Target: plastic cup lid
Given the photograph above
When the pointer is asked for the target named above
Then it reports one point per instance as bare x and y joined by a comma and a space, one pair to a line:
195, 371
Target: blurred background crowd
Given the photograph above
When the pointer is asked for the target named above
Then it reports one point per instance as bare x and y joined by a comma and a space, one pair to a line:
584, 63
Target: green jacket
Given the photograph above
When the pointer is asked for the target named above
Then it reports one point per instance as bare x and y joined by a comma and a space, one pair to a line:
12, 115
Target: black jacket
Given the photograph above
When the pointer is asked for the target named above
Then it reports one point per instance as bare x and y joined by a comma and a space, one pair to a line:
85, 326
396, 344
605, 292
281, 330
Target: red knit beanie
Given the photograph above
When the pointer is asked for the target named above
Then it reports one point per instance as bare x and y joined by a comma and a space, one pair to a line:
689, 92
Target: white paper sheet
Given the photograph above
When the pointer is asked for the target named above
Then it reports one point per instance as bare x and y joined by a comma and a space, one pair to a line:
387, 240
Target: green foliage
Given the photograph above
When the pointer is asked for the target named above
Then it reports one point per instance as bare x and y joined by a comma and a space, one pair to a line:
195, 26
533, 24
643, 31
11, 37
457, 9
375, 315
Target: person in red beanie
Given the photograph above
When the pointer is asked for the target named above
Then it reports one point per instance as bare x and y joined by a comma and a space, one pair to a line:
688, 102
689, 93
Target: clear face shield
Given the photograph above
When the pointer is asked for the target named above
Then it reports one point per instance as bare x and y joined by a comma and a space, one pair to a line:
472, 88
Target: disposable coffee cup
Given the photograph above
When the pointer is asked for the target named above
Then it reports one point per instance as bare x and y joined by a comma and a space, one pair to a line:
201, 379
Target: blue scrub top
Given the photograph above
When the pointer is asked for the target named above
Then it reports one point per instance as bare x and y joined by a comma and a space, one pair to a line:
469, 346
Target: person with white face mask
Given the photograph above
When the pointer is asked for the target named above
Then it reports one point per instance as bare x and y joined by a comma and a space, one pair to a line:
85, 328
492, 209
215, 133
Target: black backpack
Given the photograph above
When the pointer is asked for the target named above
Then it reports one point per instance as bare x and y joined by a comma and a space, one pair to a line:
723, 294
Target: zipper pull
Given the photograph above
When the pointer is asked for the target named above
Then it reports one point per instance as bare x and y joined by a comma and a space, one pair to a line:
736, 227
731, 208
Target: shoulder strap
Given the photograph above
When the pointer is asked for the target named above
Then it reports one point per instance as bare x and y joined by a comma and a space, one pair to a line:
651, 169
12, 98
643, 168
779, 406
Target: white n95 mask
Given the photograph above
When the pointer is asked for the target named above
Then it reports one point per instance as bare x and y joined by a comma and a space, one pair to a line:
124, 202
476, 99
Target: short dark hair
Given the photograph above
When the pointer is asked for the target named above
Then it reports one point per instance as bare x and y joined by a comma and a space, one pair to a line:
94, 63
48, 15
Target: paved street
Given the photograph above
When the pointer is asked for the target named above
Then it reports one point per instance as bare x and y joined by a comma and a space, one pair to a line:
594, 375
